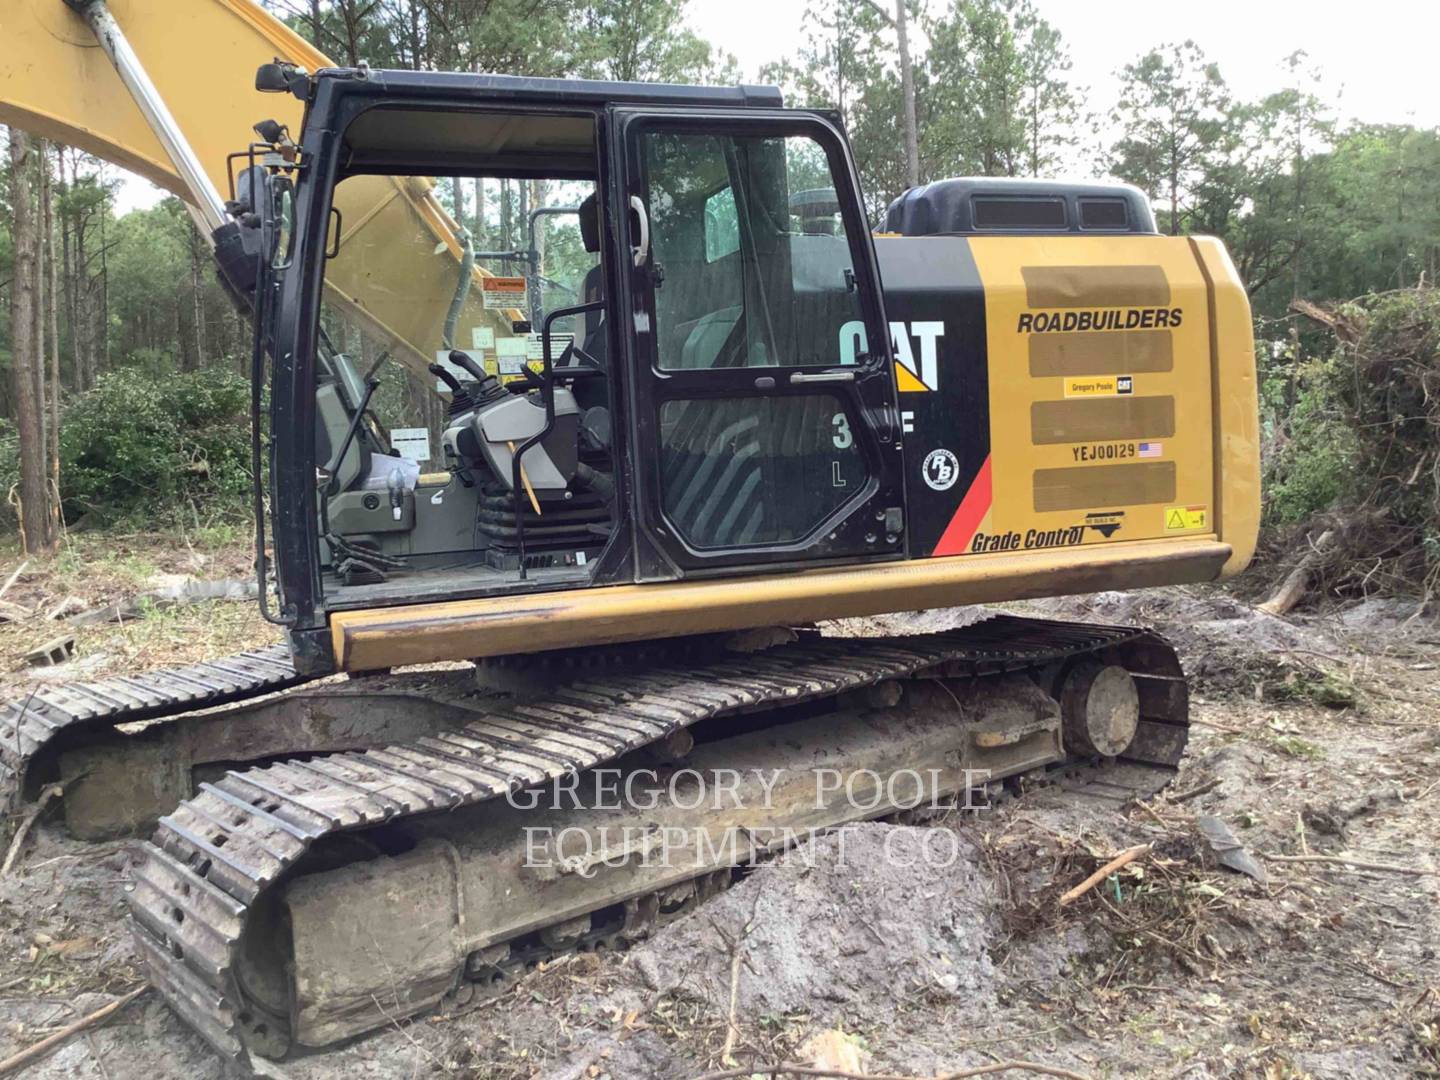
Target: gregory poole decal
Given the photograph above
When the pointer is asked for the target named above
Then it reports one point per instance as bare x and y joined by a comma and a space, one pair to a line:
1099, 385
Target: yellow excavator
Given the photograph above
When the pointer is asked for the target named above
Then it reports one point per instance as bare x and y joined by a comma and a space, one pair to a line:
611, 567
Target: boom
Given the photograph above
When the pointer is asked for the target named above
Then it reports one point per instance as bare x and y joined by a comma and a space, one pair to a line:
201, 56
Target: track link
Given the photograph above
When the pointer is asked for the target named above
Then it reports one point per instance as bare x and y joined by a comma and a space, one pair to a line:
34, 728
200, 878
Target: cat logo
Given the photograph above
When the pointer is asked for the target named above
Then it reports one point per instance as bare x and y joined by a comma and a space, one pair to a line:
917, 369
917, 356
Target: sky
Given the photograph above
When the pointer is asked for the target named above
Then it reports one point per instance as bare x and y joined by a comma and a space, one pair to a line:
1376, 59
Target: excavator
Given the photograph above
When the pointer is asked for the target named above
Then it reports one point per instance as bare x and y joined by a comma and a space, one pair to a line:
616, 562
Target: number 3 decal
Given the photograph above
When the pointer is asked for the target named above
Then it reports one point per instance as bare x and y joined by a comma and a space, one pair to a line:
842, 438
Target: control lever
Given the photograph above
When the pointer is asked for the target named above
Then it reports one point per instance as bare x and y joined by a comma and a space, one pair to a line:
443, 374
531, 377
463, 361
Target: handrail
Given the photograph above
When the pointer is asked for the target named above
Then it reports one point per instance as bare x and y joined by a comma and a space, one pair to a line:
547, 395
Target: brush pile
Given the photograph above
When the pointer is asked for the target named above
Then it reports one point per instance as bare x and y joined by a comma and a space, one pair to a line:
1373, 409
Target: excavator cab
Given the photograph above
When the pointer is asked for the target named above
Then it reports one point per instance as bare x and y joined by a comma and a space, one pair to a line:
708, 391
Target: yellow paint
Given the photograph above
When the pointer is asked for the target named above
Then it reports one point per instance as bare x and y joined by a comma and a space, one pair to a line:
1184, 518
1015, 458
1235, 511
55, 82
1092, 386
462, 629
906, 381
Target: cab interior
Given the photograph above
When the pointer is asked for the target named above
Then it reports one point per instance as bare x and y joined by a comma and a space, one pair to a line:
450, 523
514, 485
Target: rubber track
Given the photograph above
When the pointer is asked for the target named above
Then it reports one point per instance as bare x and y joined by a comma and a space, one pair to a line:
210, 860
69, 710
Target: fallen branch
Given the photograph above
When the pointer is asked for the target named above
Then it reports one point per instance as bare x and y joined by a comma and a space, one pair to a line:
45, 1045
1293, 588
50, 792
737, 957
1359, 864
1219, 727
790, 1068
1195, 792
1125, 858
13, 578
732, 1026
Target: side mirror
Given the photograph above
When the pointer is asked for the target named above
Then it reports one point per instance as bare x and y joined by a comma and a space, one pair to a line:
271, 78
277, 77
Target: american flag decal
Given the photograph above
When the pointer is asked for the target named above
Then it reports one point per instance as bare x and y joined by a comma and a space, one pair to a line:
1150, 449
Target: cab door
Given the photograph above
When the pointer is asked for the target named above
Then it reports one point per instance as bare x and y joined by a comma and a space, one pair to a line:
762, 398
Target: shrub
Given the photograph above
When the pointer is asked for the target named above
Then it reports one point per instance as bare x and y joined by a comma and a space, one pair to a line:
1309, 454
1354, 445
146, 445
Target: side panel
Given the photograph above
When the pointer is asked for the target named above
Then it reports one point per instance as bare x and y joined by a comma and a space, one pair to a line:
1236, 405
936, 306
1058, 391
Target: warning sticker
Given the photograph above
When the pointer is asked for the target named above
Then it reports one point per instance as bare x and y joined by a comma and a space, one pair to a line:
1178, 518
1099, 386
503, 292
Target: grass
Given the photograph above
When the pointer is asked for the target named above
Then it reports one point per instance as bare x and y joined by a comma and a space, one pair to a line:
1313, 687
1297, 747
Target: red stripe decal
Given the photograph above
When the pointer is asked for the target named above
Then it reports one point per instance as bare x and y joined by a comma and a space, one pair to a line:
968, 515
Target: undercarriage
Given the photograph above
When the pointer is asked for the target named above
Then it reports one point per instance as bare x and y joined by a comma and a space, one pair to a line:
474, 827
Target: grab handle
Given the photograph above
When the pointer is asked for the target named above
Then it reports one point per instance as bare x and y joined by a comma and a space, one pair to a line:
641, 250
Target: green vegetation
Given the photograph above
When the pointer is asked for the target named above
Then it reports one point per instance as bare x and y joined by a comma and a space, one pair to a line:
137, 442
1351, 443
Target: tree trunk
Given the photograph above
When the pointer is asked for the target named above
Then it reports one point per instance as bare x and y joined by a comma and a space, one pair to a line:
102, 348
67, 278
1174, 190
506, 235
198, 296
83, 328
457, 196
42, 183
37, 522
907, 81
481, 228
52, 321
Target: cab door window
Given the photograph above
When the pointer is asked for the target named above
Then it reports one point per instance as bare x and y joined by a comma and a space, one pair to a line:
752, 270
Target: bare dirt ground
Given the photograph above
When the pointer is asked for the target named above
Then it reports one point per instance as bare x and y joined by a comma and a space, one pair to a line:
1314, 737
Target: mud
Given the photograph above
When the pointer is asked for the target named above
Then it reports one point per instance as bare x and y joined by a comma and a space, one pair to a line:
844, 929
1172, 968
